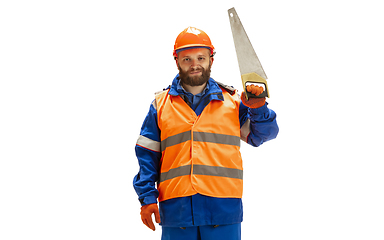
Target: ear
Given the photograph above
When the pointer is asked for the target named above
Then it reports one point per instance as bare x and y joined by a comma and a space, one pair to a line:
212, 61
177, 62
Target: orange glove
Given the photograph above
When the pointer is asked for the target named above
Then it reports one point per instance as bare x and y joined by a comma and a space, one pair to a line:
253, 102
146, 215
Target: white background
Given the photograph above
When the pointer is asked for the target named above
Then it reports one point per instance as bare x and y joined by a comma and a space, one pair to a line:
78, 77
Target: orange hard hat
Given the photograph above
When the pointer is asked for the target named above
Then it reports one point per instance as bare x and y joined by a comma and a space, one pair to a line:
192, 37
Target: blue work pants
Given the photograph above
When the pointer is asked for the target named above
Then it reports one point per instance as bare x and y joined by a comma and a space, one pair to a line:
217, 232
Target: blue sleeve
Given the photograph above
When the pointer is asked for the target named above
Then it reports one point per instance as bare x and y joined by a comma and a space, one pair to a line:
262, 124
148, 154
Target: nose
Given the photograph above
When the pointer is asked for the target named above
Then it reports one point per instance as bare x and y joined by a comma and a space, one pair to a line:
195, 65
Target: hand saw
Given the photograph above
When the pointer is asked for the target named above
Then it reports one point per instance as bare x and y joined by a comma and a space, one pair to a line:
250, 67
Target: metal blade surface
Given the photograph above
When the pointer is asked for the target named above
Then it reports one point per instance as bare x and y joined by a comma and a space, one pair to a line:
246, 56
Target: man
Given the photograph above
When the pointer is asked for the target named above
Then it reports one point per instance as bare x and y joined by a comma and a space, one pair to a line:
189, 145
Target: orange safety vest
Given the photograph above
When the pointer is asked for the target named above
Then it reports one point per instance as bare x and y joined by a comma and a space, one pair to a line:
200, 154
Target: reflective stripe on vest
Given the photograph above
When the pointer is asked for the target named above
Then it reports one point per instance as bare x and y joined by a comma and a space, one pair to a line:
202, 170
200, 154
200, 137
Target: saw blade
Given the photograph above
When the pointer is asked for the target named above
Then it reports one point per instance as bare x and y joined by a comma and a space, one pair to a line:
250, 67
246, 55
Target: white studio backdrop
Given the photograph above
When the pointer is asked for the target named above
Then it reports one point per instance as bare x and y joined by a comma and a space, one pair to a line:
77, 79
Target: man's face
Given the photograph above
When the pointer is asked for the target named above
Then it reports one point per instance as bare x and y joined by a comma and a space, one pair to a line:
194, 66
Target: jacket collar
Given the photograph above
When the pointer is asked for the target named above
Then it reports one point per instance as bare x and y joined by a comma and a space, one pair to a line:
213, 91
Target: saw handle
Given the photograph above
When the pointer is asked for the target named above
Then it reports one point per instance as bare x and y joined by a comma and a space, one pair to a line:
251, 95
254, 78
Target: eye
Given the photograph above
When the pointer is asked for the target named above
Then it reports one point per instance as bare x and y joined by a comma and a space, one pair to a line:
201, 58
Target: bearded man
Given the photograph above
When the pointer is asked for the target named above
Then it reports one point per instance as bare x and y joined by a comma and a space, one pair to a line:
189, 148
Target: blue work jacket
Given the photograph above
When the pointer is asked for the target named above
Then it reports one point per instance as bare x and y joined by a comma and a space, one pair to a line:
259, 125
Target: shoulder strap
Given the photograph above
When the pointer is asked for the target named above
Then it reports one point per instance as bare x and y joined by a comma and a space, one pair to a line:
164, 89
227, 88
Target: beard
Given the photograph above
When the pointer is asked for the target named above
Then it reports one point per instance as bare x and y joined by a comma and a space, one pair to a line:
186, 79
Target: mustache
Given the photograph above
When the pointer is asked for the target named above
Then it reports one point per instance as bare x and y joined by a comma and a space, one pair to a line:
193, 69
